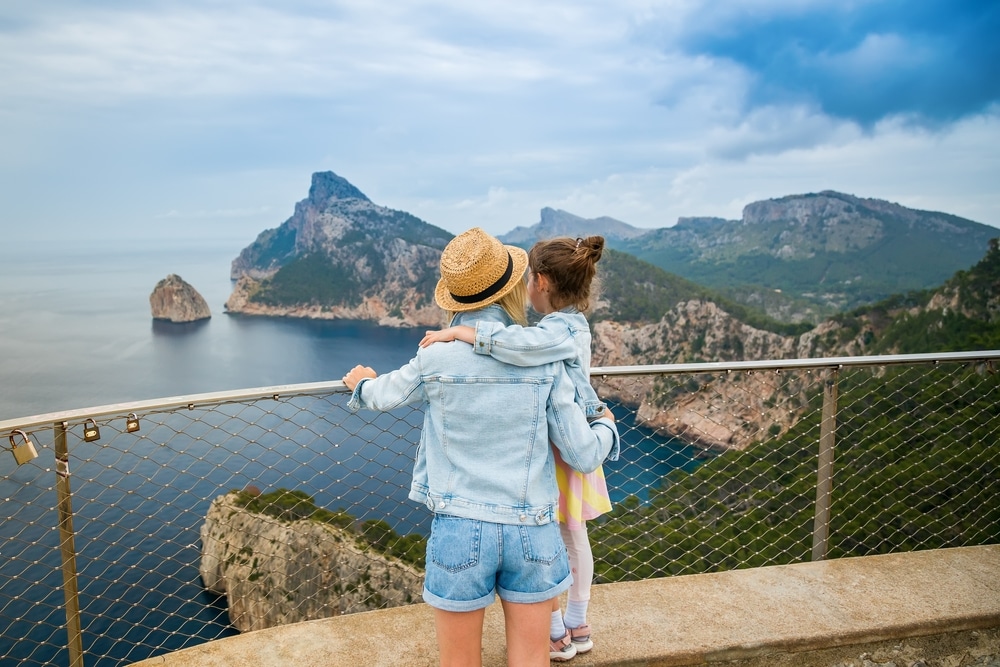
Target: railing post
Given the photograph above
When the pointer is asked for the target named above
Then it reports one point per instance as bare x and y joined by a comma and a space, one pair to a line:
824, 468
73, 630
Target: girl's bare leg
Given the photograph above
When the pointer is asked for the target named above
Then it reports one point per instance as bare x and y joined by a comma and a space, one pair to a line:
527, 628
460, 637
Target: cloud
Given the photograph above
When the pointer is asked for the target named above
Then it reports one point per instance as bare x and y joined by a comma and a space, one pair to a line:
934, 61
923, 169
483, 113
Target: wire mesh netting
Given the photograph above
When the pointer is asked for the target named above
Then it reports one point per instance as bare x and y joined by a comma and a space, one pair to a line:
228, 515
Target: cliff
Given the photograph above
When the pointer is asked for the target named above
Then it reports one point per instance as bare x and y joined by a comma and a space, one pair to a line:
274, 572
733, 410
718, 411
174, 300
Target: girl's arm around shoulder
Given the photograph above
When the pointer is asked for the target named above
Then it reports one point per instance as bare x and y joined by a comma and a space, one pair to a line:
461, 332
549, 341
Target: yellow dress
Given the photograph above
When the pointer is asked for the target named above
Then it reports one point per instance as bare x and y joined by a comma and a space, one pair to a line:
581, 496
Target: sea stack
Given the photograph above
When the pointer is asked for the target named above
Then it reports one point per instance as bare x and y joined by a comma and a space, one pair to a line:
174, 300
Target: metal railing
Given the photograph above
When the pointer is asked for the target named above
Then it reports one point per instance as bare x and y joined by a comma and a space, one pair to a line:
147, 527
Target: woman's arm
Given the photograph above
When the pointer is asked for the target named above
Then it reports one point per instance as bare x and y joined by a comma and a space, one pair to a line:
583, 445
384, 392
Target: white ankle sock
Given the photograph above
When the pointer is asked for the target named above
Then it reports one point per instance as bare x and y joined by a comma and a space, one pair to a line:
576, 613
556, 628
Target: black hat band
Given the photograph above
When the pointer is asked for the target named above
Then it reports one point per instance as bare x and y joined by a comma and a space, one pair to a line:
492, 289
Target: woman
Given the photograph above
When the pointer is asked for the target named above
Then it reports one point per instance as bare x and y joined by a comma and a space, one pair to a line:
561, 273
484, 465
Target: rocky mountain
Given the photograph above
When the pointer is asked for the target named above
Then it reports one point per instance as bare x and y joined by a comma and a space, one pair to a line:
174, 300
830, 250
555, 222
797, 258
340, 256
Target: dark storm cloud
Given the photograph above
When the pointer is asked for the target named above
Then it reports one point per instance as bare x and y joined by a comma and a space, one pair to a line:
934, 60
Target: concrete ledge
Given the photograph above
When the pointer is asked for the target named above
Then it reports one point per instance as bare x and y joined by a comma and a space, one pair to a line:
690, 620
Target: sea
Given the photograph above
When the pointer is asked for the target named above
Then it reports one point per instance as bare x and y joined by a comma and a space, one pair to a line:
76, 332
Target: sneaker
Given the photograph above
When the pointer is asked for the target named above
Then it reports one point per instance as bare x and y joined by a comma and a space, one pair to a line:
562, 649
581, 638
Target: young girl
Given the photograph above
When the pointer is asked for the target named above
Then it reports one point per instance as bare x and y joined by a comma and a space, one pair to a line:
560, 273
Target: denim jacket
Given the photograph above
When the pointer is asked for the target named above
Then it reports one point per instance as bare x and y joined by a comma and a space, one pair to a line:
560, 336
484, 448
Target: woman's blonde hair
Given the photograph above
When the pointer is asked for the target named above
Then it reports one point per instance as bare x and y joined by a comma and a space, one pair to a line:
514, 303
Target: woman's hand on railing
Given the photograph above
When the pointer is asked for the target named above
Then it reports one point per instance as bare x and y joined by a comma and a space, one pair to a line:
357, 374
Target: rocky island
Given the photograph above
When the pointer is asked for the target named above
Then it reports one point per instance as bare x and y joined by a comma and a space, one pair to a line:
174, 300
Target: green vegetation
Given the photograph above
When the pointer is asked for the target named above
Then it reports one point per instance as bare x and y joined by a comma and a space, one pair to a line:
309, 279
637, 291
292, 505
903, 324
829, 249
916, 463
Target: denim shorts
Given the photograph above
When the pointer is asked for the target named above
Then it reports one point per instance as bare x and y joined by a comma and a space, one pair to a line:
469, 562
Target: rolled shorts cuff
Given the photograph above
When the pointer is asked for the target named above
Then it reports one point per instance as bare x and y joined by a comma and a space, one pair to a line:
459, 605
521, 597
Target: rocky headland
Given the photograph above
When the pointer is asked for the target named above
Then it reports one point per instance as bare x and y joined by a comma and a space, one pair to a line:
340, 256
274, 572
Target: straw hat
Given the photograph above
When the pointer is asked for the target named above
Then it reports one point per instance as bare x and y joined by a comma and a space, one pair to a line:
477, 270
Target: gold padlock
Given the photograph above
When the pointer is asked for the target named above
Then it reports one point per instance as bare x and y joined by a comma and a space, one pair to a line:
131, 423
24, 452
90, 431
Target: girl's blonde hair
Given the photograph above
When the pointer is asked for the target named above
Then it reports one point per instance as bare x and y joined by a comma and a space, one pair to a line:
570, 265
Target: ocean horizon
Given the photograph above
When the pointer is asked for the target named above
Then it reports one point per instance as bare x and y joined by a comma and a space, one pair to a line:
76, 331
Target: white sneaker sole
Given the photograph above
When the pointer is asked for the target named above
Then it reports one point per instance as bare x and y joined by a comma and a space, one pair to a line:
564, 656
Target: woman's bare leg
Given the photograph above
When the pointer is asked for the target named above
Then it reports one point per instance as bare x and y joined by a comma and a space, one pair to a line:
527, 627
460, 637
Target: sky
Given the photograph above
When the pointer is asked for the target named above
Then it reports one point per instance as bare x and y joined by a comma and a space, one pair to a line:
182, 120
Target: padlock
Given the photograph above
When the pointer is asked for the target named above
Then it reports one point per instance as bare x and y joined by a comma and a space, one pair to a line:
90, 431
24, 452
131, 423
